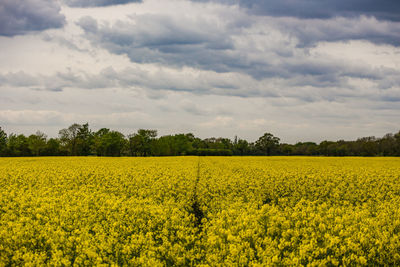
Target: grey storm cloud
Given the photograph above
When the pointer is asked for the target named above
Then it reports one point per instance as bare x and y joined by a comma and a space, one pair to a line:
230, 47
311, 31
384, 9
98, 3
304, 88
24, 16
126, 78
164, 39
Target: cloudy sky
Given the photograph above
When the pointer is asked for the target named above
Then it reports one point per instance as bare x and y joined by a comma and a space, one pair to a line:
303, 70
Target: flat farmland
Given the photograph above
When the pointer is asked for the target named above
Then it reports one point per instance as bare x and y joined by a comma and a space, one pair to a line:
191, 211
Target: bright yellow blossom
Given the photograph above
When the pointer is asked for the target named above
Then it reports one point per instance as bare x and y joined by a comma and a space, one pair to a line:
207, 211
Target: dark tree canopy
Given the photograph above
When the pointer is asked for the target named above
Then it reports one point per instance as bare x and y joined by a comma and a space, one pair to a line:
37, 143
109, 143
267, 143
3, 142
68, 138
80, 140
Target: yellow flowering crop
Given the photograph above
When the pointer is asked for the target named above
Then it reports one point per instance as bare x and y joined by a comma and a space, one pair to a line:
207, 211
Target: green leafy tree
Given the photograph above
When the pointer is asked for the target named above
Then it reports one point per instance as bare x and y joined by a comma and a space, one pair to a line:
198, 143
387, 145
98, 144
18, 146
397, 138
84, 140
325, 148
134, 142
305, 148
69, 138
368, 146
37, 143
109, 143
53, 148
114, 143
182, 144
140, 143
3, 142
241, 147
286, 149
267, 143
173, 145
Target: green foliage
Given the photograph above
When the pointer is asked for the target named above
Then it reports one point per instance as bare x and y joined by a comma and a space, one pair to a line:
3, 142
18, 145
241, 147
397, 143
267, 144
109, 143
84, 140
37, 143
68, 138
172, 145
79, 140
140, 143
53, 148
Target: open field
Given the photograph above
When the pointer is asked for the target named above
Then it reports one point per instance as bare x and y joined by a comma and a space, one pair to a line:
200, 211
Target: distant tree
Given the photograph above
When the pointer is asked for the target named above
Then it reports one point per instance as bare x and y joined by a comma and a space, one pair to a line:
226, 143
253, 150
84, 140
161, 146
53, 148
286, 149
134, 144
241, 147
218, 143
368, 146
18, 146
397, 138
37, 143
3, 142
115, 142
109, 143
167, 145
182, 144
68, 138
198, 143
80, 140
99, 146
342, 148
212, 143
387, 145
324, 148
267, 143
140, 143
305, 148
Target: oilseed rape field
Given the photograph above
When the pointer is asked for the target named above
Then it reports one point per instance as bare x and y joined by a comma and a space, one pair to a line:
200, 211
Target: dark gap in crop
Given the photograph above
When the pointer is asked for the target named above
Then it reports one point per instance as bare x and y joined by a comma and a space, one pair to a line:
195, 207
198, 214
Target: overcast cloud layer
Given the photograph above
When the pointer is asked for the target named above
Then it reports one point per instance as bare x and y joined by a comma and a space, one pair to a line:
97, 3
23, 16
383, 9
303, 70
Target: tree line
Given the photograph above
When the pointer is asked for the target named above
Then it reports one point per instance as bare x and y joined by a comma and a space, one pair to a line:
80, 140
